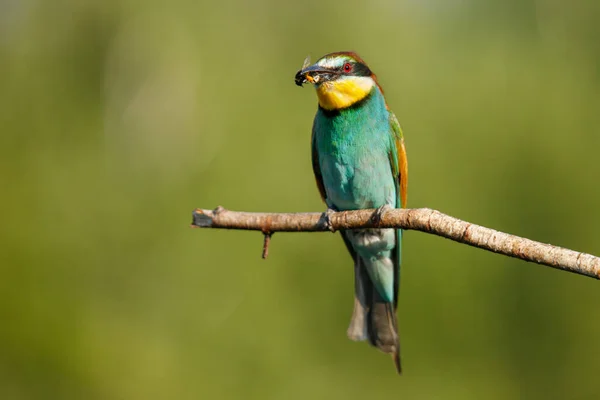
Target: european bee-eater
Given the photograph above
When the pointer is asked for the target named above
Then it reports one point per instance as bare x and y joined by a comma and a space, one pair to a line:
359, 161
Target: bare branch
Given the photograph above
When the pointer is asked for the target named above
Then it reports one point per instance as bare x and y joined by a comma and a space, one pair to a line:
420, 219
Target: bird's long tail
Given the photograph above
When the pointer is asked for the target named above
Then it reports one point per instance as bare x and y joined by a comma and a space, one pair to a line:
373, 318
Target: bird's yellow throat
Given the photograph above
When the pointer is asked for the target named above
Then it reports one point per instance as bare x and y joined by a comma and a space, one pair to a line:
344, 92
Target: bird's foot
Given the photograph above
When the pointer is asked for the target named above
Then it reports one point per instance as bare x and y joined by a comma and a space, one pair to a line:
378, 214
326, 217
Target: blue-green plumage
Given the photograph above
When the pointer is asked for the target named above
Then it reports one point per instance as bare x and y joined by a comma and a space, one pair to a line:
353, 147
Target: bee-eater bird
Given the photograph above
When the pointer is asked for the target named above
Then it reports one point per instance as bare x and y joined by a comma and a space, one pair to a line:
359, 161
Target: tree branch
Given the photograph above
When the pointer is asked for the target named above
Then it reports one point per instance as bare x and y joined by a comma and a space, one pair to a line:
420, 219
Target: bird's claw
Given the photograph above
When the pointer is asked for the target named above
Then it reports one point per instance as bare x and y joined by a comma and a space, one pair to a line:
378, 214
327, 219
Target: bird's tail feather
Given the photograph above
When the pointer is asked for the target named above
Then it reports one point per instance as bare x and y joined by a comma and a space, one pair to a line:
373, 318
363, 292
382, 328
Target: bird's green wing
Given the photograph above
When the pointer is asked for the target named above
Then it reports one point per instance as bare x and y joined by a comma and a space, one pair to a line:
316, 167
398, 159
399, 166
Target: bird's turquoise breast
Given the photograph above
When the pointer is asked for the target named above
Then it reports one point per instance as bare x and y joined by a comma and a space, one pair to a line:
353, 148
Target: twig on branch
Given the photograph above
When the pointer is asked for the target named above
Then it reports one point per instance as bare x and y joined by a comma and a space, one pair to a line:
420, 219
266, 244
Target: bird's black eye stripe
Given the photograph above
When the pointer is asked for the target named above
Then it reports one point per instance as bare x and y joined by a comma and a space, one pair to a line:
358, 69
361, 70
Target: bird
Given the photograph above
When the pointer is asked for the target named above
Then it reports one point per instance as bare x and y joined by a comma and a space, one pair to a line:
359, 162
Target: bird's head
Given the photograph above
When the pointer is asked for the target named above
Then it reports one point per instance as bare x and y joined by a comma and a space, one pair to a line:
341, 79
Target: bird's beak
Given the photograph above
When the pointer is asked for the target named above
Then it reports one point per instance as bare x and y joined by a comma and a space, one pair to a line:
314, 74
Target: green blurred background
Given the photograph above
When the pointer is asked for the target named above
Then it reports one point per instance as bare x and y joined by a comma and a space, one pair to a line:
118, 118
